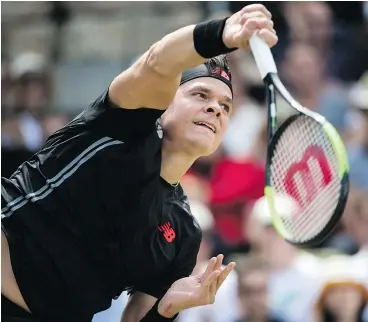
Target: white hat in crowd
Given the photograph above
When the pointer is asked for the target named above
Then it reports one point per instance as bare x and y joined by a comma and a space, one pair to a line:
28, 62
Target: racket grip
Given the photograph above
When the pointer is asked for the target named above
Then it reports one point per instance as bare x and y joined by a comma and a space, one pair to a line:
262, 55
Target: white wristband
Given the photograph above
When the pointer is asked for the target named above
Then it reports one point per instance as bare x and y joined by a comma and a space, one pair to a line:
262, 55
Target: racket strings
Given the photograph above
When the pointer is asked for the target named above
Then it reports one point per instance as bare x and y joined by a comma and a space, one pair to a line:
304, 166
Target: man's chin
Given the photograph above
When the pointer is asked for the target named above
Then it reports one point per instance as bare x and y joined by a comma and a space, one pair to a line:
200, 148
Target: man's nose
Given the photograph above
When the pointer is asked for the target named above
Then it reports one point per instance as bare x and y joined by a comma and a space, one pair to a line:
214, 109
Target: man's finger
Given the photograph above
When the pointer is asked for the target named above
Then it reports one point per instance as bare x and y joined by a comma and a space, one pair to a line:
209, 269
213, 288
257, 7
258, 23
208, 281
217, 267
269, 36
219, 260
224, 274
254, 14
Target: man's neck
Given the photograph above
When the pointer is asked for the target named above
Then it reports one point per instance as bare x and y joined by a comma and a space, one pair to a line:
174, 165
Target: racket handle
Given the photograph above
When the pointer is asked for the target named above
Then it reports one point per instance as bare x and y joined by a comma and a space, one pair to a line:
263, 56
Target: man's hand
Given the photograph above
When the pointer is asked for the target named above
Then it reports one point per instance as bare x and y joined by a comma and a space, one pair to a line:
242, 25
195, 290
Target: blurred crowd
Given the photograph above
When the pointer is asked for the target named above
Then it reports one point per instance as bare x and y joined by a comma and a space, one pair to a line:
322, 57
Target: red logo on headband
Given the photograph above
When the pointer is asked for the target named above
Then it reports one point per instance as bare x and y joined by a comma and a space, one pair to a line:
219, 72
224, 75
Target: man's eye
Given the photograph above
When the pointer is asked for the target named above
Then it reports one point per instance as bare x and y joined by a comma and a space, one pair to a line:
201, 95
226, 108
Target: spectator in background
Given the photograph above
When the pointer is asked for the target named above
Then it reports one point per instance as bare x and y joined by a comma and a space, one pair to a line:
234, 184
293, 273
343, 296
304, 72
5, 87
196, 187
313, 23
225, 308
358, 143
355, 221
53, 122
253, 280
342, 239
31, 95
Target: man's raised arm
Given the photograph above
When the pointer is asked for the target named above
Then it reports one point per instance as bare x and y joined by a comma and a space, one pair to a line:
154, 78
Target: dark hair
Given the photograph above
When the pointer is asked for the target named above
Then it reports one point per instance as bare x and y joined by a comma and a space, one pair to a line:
219, 61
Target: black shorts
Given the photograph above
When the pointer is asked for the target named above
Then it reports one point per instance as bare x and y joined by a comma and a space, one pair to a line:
11, 312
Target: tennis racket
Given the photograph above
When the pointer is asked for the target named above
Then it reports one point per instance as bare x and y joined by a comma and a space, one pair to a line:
306, 160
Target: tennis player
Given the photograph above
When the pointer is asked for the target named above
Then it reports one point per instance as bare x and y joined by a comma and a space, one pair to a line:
99, 209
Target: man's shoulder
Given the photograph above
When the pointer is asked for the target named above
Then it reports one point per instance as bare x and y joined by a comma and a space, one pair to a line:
187, 217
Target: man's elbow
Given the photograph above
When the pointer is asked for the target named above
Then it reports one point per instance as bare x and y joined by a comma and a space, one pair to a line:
154, 62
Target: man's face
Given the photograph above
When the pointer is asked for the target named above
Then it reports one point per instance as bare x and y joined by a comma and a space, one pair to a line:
198, 116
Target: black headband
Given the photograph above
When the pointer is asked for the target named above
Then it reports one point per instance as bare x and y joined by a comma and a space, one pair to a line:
205, 71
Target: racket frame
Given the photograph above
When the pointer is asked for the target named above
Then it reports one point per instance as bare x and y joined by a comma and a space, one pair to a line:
267, 67
270, 193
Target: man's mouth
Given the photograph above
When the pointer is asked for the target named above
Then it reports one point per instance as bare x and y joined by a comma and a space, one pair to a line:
207, 125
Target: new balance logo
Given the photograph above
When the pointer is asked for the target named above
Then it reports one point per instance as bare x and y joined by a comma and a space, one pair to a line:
168, 232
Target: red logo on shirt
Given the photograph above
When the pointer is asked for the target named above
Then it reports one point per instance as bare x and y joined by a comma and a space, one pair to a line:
168, 232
